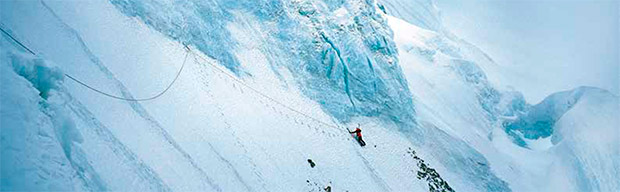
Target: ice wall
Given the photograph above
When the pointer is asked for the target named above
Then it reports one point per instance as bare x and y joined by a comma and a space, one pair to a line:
341, 52
538, 120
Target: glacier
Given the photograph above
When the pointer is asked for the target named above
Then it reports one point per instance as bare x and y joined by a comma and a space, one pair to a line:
268, 85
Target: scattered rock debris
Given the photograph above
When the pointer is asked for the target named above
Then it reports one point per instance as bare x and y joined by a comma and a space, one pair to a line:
312, 164
424, 172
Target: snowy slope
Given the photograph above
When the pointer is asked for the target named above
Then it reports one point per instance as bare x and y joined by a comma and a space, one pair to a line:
207, 133
520, 140
582, 151
265, 86
586, 139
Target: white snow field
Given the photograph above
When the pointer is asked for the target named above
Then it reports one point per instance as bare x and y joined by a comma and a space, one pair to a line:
266, 86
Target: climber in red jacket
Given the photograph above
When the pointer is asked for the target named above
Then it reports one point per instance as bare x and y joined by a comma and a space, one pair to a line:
358, 135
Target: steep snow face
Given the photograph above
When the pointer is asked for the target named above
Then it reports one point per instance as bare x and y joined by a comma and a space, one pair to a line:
580, 155
341, 52
451, 89
208, 133
586, 139
581, 126
337, 61
451, 95
207, 122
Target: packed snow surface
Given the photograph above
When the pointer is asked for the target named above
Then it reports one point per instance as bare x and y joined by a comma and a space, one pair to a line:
268, 86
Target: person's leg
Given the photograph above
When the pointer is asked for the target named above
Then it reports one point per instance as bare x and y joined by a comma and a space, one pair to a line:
362, 142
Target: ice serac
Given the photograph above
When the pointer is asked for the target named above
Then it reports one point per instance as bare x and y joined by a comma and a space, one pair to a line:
46, 158
21, 147
199, 23
341, 52
583, 150
538, 120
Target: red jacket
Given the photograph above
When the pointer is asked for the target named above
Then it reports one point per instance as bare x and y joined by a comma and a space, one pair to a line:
358, 132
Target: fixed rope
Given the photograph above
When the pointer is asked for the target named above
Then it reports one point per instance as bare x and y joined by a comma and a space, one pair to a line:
102, 92
261, 93
132, 99
189, 51
16, 41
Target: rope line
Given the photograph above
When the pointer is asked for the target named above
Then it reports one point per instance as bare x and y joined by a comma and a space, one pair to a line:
104, 93
132, 99
16, 41
262, 94
175, 79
